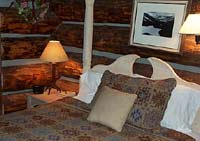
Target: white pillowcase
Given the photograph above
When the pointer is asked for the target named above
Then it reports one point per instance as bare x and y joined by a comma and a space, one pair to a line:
196, 123
181, 109
89, 82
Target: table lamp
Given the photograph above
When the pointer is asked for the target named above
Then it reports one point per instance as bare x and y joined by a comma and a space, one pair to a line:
192, 26
53, 53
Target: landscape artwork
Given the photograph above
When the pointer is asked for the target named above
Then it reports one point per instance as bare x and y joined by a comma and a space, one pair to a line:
156, 24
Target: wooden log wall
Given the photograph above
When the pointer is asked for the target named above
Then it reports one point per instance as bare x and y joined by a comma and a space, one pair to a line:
22, 40
114, 37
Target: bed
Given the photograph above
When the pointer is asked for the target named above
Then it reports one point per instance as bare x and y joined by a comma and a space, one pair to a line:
66, 119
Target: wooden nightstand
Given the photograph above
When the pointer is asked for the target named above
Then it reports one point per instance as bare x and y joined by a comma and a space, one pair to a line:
39, 99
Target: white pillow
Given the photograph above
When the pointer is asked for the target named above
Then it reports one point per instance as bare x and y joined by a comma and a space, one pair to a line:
89, 82
196, 123
181, 109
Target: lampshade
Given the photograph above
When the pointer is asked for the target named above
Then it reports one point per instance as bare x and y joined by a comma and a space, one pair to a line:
54, 52
191, 25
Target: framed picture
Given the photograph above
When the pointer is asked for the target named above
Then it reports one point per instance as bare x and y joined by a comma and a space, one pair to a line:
156, 23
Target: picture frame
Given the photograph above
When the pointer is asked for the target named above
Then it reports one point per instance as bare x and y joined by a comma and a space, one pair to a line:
155, 24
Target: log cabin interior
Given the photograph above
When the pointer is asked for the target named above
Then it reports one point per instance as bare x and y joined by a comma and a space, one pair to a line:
24, 40
23, 43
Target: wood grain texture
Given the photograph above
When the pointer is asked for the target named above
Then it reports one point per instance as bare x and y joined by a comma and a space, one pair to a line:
25, 76
15, 102
0, 86
147, 70
112, 11
66, 85
69, 35
69, 10
106, 38
70, 68
115, 40
23, 48
18, 102
77, 57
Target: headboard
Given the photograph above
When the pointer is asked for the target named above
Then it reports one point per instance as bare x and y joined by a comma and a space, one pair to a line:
123, 65
161, 69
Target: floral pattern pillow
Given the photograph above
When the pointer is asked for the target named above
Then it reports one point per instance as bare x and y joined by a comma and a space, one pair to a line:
153, 96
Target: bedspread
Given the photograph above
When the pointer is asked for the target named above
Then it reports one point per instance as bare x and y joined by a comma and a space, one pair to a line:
65, 120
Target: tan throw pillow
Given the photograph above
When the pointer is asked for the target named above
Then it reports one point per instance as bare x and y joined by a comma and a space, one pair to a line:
153, 96
112, 108
196, 123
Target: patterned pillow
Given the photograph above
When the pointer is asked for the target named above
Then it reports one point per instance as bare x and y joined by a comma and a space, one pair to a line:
153, 96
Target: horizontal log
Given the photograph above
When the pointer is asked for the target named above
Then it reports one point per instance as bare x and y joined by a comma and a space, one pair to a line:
147, 70
77, 57
23, 48
104, 36
66, 85
70, 68
13, 23
25, 76
69, 51
15, 102
69, 35
115, 40
114, 11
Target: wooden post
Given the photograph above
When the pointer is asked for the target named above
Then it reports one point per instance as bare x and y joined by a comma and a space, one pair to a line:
88, 35
1, 81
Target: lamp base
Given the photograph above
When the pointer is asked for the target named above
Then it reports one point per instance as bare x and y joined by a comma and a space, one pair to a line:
197, 39
52, 86
53, 80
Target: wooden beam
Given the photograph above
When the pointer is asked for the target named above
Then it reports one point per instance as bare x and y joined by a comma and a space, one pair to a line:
23, 48
23, 77
115, 11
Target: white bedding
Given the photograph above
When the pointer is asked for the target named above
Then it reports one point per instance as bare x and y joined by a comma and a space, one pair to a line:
181, 109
